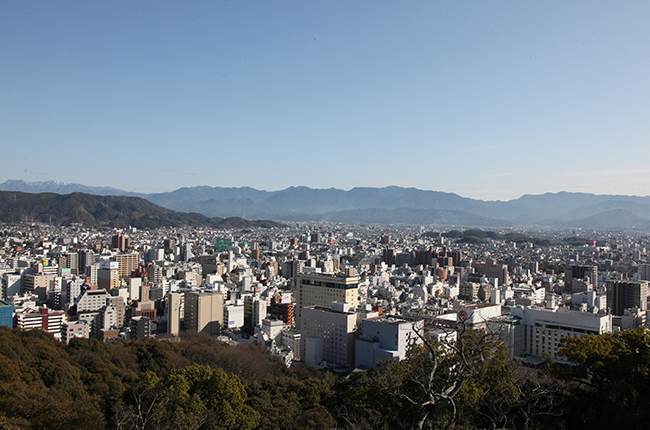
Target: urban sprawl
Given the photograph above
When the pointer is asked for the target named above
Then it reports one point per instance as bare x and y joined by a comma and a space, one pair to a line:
335, 296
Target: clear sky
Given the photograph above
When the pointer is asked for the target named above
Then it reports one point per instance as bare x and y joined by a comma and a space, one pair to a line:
487, 99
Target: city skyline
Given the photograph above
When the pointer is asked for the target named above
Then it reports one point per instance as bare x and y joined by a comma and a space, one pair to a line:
488, 101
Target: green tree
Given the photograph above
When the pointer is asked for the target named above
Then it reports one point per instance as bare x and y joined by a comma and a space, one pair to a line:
611, 379
286, 403
196, 397
466, 383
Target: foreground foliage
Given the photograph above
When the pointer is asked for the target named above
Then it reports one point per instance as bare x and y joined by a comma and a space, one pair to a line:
200, 383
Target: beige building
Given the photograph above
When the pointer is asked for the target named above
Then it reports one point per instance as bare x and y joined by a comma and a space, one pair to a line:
174, 313
37, 284
128, 263
203, 312
321, 289
120, 309
108, 277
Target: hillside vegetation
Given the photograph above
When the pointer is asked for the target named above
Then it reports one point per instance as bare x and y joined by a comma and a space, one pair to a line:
106, 211
200, 383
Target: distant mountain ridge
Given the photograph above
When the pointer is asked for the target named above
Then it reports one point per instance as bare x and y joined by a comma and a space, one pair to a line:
106, 211
389, 205
59, 187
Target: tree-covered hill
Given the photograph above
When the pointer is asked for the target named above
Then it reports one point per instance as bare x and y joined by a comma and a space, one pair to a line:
109, 211
200, 383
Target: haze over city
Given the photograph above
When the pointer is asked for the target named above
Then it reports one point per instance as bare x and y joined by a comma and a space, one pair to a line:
486, 100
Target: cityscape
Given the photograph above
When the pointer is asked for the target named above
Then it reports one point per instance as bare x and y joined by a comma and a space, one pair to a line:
364, 215
334, 297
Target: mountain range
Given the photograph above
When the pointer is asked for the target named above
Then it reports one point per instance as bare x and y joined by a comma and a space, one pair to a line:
389, 205
106, 211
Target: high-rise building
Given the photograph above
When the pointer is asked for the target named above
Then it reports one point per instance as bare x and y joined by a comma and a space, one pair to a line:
108, 276
128, 263
120, 309
12, 284
69, 260
283, 310
389, 256
327, 334
119, 241
254, 310
86, 258
626, 295
492, 269
91, 273
174, 310
320, 289
644, 272
37, 284
204, 312
140, 328
581, 272
154, 254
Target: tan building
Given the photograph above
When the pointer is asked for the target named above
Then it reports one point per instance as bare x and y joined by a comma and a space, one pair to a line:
128, 263
37, 284
174, 313
120, 309
69, 260
108, 276
204, 312
321, 289
73, 329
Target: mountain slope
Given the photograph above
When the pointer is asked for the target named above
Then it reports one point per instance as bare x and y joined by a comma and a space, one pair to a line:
96, 211
393, 205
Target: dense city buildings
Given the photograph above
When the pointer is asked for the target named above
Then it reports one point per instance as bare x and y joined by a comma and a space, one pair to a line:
369, 292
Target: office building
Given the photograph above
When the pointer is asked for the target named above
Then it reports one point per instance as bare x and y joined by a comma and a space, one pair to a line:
204, 312
37, 284
127, 264
386, 338
86, 258
580, 273
108, 276
320, 289
45, 319
6, 314
492, 269
69, 260
542, 329
327, 335
626, 295
119, 241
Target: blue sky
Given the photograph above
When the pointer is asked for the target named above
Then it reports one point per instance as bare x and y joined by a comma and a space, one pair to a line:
490, 100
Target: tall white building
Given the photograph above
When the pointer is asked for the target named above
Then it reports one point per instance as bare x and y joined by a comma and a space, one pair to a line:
327, 334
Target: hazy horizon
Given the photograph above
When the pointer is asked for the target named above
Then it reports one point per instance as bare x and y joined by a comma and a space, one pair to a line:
489, 101
299, 186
